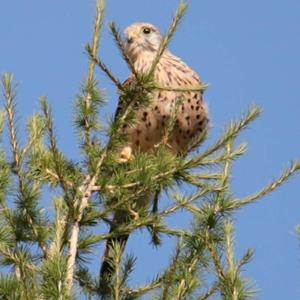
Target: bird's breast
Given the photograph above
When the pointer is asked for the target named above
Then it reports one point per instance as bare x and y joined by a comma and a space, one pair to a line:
185, 109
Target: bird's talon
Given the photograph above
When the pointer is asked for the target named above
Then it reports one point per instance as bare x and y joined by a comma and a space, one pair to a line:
126, 155
134, 213
168, 145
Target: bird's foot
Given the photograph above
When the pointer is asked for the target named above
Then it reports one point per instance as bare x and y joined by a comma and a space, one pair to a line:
134, 214
125, 155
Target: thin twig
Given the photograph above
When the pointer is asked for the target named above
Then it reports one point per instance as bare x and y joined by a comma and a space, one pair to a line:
9, 95
86, 190
210, 292
53, 145
227, 165
169, 274
104, 68
32, 141
185, 202
92, 64
230, 133
182, 286
56, 177
166, 40
215, 257
237, 203
121, 45
199, 88
142, 290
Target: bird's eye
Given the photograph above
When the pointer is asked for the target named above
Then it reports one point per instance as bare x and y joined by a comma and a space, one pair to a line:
146, 30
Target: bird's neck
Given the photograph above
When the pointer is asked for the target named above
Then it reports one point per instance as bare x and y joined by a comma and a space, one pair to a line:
143, 61
170, 71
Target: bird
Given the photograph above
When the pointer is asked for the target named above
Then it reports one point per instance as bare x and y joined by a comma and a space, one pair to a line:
143, 41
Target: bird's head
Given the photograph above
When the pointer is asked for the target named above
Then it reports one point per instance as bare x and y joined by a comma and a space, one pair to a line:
142, 37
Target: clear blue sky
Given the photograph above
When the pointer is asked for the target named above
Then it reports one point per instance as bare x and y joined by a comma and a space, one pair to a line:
249, 53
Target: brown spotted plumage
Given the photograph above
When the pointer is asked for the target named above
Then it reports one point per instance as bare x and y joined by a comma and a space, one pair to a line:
143, 41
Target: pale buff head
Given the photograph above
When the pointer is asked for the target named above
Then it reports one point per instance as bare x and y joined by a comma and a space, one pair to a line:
142, 38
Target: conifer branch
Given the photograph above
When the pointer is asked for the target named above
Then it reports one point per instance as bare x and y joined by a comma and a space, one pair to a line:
144, 289
117, 256
122, 47
103, 67
228, 230
36, 136
2, 120
86, 191
233, 286
183, 202
9, 95
16, 258
210, 292
183, 286
87, 188
295, 167
53, 145
200, 88
73, 241
139, 223
54, 176
169, 275
227, 165
215, 256
100, 8
223, 157
234, 129
166, 40
59, 228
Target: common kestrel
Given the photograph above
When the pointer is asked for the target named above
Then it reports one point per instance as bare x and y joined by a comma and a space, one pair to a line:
143, 41
191, 119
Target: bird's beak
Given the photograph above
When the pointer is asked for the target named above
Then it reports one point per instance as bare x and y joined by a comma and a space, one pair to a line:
129, 40
131, 37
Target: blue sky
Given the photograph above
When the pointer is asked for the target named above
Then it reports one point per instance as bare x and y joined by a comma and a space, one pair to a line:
248, 51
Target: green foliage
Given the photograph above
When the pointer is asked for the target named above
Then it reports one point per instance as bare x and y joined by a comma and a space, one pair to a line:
46, 256
53, 285
10, 287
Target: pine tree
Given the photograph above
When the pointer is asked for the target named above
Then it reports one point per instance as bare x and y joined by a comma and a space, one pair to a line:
45, 257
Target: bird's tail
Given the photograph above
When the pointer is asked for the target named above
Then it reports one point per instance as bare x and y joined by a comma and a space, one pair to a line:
119, 242
107, 269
